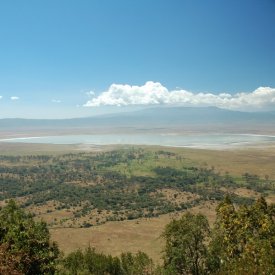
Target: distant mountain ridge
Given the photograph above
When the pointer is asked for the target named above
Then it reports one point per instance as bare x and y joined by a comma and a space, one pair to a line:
164, 117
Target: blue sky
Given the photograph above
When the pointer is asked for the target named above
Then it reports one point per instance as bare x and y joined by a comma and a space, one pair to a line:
52, 53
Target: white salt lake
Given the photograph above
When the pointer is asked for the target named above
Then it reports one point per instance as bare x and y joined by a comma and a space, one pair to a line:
211, 141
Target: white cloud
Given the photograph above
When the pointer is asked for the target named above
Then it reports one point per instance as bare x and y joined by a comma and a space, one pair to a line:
56, 101
1, 97
90, 93
152, 93
14, 97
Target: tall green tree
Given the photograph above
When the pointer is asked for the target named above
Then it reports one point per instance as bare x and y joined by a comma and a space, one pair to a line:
24, 243
243, 239
185, 250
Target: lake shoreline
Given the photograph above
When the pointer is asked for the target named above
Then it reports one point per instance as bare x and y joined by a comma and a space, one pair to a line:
211, 141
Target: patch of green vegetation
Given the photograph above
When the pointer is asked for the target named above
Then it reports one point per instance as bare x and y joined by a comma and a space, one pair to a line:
139, 162
125, 182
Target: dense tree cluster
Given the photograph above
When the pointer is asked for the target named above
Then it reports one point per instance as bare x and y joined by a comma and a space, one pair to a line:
108, 181
185, 251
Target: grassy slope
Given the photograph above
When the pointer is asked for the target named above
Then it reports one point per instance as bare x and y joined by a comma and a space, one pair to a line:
117, 237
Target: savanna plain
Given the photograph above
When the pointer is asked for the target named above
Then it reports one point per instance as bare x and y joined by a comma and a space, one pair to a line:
120, 198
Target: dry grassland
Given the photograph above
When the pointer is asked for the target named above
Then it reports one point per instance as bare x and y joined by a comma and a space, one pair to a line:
117, 237
259, 161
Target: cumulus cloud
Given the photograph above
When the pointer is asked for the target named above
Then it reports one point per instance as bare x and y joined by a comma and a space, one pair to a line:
153, 93
14, 97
